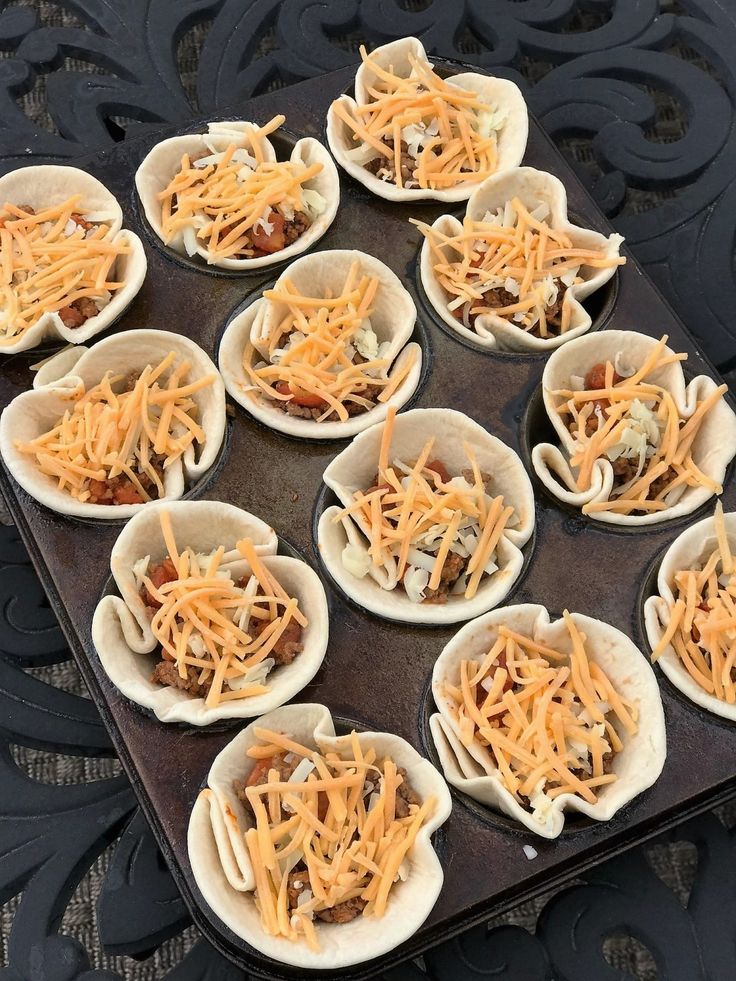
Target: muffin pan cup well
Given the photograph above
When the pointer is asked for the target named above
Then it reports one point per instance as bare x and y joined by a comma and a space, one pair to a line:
376, 672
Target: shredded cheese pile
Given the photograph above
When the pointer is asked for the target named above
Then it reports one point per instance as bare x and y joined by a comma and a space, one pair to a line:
312, 352
414, 520
641, 422
206, 620
106, 435
448, 132
50, 260
546, 718
515, 251
355, 847
702, 623
222, 197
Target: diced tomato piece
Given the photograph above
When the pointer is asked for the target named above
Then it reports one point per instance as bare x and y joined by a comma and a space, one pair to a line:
307, 399
97, 488
260, 769
275, 240
163, 572
439, 468
126, 493
596, 377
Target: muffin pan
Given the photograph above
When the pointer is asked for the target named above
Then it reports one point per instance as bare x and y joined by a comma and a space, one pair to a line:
376, 674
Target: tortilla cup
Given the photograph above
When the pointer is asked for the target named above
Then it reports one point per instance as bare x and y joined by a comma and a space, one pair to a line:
355, 468
392, 318
162, 162
45, 186
121, 628
499, 93
687, 550
713, 449
34, 412
472, 769
224, 874
533, 188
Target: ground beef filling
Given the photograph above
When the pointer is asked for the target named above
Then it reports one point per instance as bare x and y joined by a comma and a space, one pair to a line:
287, 647
78, 312
501, 297
257, 241
285, 764
454, 565
624, 468
122, 490
510, 685
309, 406
384, 167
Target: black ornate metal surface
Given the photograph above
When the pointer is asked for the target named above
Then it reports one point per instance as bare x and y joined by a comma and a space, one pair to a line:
49, 835
611, 81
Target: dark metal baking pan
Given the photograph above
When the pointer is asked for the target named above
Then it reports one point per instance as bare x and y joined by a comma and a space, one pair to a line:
376, 673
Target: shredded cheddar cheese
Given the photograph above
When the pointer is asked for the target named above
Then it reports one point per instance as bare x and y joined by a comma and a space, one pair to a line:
702, 620
51, 260
637, 426
549, 721
448, 133
336, 820
220, 631
236, 200
425, 528
324, 355
113, 446
514, 265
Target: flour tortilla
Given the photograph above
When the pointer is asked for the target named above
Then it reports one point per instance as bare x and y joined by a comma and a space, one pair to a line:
355, 469
713, 449
499, 93
45, 186
472, 769
392, 318
687, 551
222, 868
121, 629
532, 187
164, 161
34, 412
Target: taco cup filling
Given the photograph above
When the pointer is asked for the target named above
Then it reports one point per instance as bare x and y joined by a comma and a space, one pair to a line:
116, 442
331, 832
514, 265
238, 203
58, 260
550, 722
421, 131
702, 620
324, 360
614, 413
219, 635
431, 533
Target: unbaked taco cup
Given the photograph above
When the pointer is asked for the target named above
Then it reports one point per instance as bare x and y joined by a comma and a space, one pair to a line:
70, 374
713, 448
536, 190
390, 322
49, 186
502, 97
121, 628
689, 551
472, 768
354, 470
224, 873
163, 162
